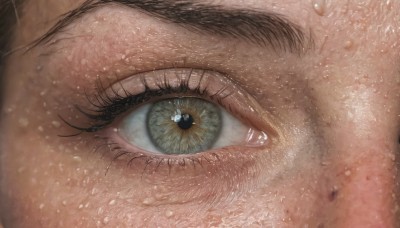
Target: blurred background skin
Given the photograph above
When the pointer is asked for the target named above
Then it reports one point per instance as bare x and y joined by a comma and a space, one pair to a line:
334, 107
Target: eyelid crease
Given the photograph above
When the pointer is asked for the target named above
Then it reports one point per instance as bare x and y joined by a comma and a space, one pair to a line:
112, 101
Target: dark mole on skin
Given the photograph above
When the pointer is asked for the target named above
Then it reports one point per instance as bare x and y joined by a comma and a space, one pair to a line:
333, 194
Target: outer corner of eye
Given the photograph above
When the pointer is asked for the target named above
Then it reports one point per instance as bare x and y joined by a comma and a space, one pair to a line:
186, 125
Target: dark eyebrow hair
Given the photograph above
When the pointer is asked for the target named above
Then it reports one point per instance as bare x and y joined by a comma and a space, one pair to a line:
261, 28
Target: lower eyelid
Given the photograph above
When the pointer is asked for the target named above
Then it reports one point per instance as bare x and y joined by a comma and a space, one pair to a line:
232, 159
190, 179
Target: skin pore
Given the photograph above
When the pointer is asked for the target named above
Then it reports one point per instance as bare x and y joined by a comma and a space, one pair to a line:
330, 110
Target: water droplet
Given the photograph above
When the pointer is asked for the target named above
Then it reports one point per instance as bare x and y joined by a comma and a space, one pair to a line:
348, 44
148, 201
21, 169
56, 124
77, 158
319, 7
106, 220
23, 122
80, 206
41, 206
347, 173
64, 203
112, 202
40, 128
169, 213
94, 191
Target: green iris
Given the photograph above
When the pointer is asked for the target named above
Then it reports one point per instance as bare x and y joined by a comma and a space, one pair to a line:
183, 125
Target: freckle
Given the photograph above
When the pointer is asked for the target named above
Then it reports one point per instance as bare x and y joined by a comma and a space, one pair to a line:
169, 213
112, 202
23, 122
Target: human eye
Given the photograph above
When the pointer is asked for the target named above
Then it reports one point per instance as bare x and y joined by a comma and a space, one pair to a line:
173, 116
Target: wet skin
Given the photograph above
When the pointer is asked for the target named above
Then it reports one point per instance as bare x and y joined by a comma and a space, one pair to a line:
330, 110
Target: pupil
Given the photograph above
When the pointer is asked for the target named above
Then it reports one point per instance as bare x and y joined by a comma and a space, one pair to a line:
186, 121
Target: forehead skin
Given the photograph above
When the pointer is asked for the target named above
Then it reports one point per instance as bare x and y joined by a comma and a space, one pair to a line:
336, 108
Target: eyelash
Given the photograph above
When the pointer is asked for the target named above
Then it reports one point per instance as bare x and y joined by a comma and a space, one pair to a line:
107, 108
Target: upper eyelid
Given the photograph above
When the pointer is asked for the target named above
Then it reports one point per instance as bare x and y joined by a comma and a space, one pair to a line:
201, 79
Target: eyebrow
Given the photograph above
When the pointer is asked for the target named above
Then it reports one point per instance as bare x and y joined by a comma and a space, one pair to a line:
260, 28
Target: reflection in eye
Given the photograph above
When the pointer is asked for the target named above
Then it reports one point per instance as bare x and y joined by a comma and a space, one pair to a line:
183, 126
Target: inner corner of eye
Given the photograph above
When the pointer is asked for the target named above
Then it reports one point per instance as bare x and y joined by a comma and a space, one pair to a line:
185, 125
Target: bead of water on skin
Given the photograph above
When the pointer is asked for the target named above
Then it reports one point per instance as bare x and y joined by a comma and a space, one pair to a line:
169, 213
112, 202
94, 191
77, 158
148, 201
348, 44
319, 7
41, 206
56, 124
23, 122
40, 128
21, 169
106, 220
347, 173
